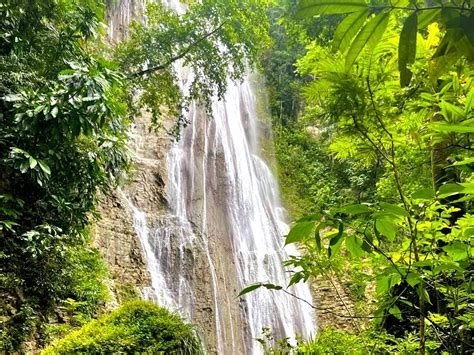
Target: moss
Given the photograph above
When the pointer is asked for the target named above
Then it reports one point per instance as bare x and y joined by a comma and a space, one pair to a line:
136, 327
126, 292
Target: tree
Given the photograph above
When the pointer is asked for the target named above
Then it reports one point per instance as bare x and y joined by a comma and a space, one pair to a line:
65, 108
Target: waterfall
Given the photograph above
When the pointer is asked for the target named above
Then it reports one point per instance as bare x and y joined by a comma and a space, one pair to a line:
223, 230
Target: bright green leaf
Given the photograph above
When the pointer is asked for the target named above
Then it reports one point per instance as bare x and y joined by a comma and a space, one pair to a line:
299, 232
368, 36
249, 289
309, 8
347, 29
354, 209
386, 227
354, 246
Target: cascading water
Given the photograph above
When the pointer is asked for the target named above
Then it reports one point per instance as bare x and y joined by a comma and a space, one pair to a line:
223, 230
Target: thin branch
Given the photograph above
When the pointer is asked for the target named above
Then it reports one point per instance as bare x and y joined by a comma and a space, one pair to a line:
178, 56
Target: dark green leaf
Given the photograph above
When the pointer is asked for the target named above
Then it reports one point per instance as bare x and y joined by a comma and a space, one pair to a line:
272, 287
407, 48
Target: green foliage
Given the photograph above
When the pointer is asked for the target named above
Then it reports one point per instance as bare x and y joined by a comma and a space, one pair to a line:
408, 237
458, 20
216, 39
136, 327
66, 101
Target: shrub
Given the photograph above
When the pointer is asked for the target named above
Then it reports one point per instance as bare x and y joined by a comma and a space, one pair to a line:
136, 327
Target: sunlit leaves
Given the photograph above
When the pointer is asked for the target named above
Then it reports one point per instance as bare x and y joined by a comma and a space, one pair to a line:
369, 36
347, 29
386, 227
308, 8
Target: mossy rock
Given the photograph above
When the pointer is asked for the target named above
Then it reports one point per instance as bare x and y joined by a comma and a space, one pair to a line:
136, 327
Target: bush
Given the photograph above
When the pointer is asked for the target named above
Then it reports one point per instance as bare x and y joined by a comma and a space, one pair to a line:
136, 327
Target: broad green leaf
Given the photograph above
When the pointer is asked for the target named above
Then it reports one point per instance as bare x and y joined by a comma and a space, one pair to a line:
413, 279
395, 311
249, 289
347, 29
368, 36
382, 284
354, 209
299, 232
457, 251
394, 209
386, 227
423, 194
354, 245
407, 48
309, 8
44, 167
449, 189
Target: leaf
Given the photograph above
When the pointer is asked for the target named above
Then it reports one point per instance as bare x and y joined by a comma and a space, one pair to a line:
54, 111
407, 48
44, 167
309, 8
423, 194
335, 242
249, 289
426, 17
347, 29
368, 36
457, 251
33, 162
413, 279
299, 232
354, 245
272, 287
394, 209
395, 311
449, 189
456, 128
310, 218
354, 209
386, 227
297, 277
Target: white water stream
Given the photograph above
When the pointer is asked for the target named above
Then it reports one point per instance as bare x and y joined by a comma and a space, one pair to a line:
217, 181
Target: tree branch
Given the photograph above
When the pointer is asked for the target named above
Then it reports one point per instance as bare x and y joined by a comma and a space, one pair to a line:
177, 56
